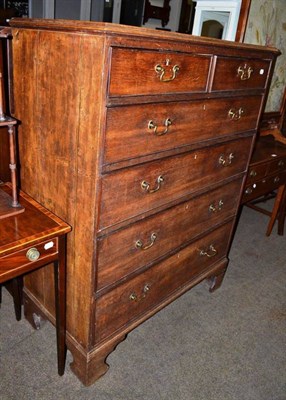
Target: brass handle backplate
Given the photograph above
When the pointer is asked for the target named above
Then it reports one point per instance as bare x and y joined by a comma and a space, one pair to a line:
33, 254
281, 163
235, 114
253, 173
162, 71
139, 244
210, 252
225, 161
249, 190
146, 186
213, 208
244, 72
134, 297
152, 125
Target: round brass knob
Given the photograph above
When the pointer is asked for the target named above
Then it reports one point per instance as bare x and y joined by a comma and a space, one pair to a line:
33, 254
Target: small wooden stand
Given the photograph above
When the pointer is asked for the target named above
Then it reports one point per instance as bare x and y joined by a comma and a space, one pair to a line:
9, 205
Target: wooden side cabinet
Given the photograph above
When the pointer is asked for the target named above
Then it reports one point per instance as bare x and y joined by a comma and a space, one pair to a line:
141, 140
30, 240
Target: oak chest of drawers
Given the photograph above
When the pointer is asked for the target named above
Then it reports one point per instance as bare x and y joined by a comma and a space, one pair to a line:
141, 141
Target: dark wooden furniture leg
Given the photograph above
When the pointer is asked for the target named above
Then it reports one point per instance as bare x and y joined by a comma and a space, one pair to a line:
276, 212
282, 214
60, 304
17, 289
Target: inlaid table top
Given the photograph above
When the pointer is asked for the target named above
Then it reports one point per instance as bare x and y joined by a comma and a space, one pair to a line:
35, 226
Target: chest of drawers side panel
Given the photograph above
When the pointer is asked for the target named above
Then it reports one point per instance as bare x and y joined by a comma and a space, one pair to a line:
58, 143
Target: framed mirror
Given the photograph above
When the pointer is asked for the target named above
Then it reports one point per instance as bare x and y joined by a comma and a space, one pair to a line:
217, 19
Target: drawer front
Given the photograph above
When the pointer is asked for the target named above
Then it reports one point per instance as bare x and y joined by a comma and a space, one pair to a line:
142, 293
125, 251
264, 186
256, 172
22, 260
240, 74
136, 190
134, 131
277, 166
139, 72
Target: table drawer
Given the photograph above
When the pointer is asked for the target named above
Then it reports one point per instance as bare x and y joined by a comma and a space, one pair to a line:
133, 191
264, 186
145, 72
134, 131
125, 251
22, 260
240, 74
144, 292
277, 165
256, 172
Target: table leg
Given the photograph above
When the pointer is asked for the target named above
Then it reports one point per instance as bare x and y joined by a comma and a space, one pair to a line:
282, 213
60, 304
276, 207
17, 289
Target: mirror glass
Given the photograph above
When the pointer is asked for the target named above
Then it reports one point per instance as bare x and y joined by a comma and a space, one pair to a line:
214, 24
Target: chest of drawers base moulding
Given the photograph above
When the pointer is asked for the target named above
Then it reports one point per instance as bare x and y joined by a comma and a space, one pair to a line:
152, 123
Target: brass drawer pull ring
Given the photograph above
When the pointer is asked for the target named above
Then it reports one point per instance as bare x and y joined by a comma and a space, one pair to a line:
211, 252
244, 72
226, 161
161, 70
33, 254
153, 126
235, 114
146, 186
214, 209
134, 297
139, 243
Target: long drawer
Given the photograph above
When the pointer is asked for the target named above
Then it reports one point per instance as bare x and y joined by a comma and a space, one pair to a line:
133, 131
144, 292
134, 191
125, 251
144, 72
240, 74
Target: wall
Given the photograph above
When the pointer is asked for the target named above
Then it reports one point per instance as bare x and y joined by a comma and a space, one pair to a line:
267, 26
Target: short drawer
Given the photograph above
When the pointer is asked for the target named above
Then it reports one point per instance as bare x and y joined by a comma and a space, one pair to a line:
144, 72
133, 191
240, 74
262, 187
139, 295
140, 244
277, 165
23, 259
256, 172
133, 131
